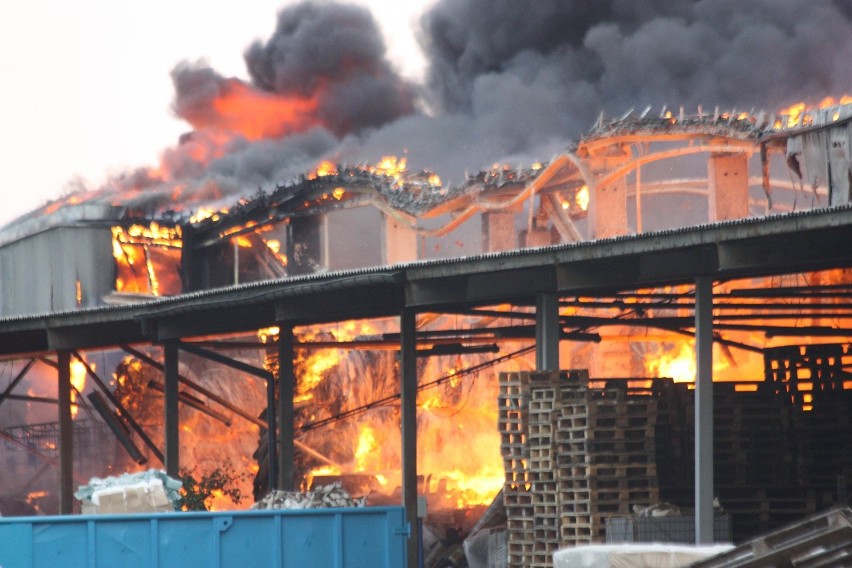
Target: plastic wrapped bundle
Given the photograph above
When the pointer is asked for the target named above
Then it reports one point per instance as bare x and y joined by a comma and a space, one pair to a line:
149, 491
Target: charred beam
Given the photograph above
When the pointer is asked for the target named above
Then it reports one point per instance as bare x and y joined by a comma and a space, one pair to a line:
116, 426
227, 361
192, 402
235, 409
828, 291
6, 394
491, 313
28, 398
124, 414
677, 305
194, 386
457, 349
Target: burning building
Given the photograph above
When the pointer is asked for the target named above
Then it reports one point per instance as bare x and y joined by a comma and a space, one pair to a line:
711, 167
339, 220
371, 272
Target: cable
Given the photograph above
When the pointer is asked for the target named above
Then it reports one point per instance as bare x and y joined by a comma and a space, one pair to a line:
437, 382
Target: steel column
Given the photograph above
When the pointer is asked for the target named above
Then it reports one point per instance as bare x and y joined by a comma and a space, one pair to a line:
408, 403
66, 435
172, 411
547, 332
286, 412
271, 434
704, 410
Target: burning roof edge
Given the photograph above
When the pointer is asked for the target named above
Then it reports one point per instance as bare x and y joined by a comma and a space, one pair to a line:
755, 125
769, 227
423, 199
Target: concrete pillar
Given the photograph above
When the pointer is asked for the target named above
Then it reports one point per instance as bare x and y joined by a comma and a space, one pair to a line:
400, 242
727, 180
539, 237
498, 231
704, 410
608, 203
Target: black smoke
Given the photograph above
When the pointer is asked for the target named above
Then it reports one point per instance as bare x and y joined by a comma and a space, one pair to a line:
332, 52
516, 81
337, 50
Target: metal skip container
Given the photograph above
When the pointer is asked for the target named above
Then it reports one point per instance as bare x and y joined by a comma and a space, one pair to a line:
363, 537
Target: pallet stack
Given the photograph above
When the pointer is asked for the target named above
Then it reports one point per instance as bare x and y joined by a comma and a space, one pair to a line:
606, 460
542, 470
573, 456
517, 491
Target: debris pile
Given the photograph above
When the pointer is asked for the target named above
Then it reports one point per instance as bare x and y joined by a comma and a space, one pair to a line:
150, 491
322, 497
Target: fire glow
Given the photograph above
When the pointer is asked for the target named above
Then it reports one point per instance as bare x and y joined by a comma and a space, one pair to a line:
257, 115
458, 444
147, 259
78, 382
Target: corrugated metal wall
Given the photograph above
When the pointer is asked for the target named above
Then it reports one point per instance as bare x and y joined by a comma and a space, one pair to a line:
39, 273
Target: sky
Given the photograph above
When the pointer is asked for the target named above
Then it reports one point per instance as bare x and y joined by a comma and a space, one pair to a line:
87, 90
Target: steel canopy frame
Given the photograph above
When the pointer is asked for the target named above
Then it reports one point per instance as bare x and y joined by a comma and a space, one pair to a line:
783, 244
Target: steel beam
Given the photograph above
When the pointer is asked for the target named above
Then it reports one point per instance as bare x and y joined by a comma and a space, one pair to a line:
118, 429
194, 386
704, 410
16, 380
227, 361
125, 415
66, 435
408, 403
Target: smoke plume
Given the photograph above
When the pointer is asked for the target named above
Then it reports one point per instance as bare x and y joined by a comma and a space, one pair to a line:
507, 81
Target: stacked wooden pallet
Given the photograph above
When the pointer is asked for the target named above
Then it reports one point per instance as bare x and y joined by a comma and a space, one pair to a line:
582, 455
543, 474
517, 493
606, 460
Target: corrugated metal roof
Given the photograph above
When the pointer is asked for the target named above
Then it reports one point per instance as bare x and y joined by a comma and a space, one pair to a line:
766, 232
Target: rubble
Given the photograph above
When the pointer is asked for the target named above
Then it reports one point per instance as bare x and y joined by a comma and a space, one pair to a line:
151, 491
322, 497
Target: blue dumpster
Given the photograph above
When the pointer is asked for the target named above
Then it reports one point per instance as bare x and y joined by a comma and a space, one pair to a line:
365, 537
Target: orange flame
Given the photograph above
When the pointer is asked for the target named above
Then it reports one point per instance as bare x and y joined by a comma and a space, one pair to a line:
257, 114
799, 114
325, 168
78, 381
366, 447
206, 213
147, 259
679, 364
582, 198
